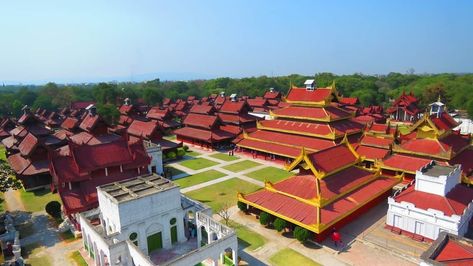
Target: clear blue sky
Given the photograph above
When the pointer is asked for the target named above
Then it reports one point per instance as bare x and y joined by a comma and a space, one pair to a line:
67, 41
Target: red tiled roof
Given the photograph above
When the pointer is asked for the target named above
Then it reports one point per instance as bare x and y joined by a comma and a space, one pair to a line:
332, 158
464, 158
313, 128
373, 141
27, 167
28, 145
125, 120
444, 122
454, 202
202, 134
348, 100
257, 102
425, 146
89, 139
202, 109
142, 129
89, 122
406, 163
372, 153
303, 95
312, 113
157, 113
293, 140
70, 123
235, 130
304, 186
236, 118
125, 109
455, 253
168, 123
272, 95
232, 107
272, 148
198, 120
307, 214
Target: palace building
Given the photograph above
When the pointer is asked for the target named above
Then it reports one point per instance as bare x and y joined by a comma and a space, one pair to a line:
312, 119
405, 108
432, 137
146, 221
435, 202
330, 190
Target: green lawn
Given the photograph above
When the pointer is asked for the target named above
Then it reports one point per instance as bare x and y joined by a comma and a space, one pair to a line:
240, 166
36, 200
199, 178
192, 153
247, 237
224, 192
224, 157
2, 153
77, 258
289, 256
198, 163
270, 173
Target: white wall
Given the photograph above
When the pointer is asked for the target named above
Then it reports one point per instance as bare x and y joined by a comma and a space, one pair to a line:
438, 185
434, 221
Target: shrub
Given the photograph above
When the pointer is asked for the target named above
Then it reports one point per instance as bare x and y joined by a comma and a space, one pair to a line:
301, 234
181, 152
264, 218
53, 208
185, 148
242, 206
171, 155
279, 224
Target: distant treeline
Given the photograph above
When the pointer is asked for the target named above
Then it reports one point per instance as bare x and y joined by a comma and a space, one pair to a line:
456, 90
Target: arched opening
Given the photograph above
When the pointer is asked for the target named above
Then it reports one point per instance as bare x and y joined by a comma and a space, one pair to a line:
134, 238
205, 237
173, 223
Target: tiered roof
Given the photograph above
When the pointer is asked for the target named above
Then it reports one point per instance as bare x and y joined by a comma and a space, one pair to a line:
330, 186
88, 166
406, 102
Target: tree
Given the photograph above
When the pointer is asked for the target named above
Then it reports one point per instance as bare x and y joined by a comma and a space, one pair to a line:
108, 112
181, 152
224, 212
7, 178
105, 93
264, 218
279, 224
152, 96
469, 109
301, 234
242, 206
53, 208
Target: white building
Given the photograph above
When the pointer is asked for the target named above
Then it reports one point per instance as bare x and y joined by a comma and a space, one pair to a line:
156, 154
437, 202
147, 221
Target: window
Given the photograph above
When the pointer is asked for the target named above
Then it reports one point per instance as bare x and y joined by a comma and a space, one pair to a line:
172, 221
134, 238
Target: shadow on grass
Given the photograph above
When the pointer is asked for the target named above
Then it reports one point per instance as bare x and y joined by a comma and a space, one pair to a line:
288, 234
311, 245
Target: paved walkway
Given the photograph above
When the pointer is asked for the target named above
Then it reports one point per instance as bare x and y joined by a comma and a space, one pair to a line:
13, 200
219, 167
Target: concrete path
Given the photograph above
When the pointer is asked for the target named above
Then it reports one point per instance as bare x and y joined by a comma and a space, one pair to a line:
219, 167
13, 200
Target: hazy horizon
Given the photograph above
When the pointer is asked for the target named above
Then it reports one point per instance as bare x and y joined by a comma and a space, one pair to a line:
87, 41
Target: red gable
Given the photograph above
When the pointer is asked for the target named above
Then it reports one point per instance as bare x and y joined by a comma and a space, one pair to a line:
349, 101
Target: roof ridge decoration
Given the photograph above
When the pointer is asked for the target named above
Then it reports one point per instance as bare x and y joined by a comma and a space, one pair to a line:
425, 118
